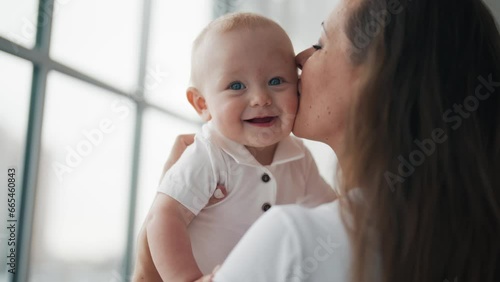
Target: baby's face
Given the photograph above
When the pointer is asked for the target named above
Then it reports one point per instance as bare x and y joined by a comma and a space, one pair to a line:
249, 82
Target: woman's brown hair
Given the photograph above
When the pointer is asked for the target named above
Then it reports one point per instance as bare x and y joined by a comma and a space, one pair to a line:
423, 142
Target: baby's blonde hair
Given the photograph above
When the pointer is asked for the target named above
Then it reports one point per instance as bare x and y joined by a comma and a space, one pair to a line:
227, 23
234, 21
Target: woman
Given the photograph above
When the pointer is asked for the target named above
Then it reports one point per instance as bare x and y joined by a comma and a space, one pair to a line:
407, 94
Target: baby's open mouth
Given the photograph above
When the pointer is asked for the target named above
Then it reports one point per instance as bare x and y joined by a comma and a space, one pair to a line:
262, 121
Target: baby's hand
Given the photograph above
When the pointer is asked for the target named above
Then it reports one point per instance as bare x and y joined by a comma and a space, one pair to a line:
208, 277
219, 195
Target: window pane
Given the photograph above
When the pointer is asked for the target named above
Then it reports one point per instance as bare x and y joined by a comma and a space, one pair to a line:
159, 133
82, 195
174, 27
101, 38
18, 21
15, 85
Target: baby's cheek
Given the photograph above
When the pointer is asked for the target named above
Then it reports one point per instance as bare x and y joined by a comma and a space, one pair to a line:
230, 110
222, 115
292, 104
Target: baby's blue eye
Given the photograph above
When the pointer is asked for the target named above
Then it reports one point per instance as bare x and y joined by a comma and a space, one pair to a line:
275, 81
236, 86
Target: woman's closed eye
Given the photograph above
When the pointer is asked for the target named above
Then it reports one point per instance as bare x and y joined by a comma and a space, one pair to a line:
275, 81
317, 47
236, 85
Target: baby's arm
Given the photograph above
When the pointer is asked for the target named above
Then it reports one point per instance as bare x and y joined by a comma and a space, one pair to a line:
169, 241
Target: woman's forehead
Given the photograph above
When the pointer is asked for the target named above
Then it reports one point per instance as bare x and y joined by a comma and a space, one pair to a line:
338, 16
334, 18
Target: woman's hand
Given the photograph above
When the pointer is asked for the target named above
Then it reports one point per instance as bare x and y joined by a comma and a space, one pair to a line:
180, 145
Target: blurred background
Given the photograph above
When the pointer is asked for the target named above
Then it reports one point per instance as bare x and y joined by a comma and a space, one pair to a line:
92, 96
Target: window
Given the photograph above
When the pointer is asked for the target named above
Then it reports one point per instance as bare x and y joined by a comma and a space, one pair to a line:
81, 87
107, 46
18, 22
83, 187
15, 78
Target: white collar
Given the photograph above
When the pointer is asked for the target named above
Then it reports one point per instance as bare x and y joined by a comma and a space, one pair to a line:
288, 149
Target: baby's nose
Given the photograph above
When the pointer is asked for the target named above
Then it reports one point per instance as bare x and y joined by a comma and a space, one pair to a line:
261, 97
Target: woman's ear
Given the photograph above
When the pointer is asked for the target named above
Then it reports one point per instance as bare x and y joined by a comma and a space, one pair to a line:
198, 102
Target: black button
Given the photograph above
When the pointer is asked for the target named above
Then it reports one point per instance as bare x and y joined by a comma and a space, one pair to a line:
266, 206
265, 177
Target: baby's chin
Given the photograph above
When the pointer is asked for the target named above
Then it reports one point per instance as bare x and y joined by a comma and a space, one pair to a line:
266, 139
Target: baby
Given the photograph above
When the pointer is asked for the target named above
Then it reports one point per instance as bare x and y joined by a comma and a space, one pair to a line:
244, 85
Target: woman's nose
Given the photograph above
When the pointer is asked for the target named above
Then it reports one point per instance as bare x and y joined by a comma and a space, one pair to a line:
302, 57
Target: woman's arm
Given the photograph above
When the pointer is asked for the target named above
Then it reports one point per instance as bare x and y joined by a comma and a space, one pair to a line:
180, 145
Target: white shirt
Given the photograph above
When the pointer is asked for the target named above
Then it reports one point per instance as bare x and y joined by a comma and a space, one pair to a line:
291, 243
292, 177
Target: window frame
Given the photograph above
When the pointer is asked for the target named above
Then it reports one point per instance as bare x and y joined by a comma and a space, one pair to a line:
39, 56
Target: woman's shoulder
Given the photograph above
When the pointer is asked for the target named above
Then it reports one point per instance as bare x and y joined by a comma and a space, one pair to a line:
308, 223
299, 215
291, 243
322, 238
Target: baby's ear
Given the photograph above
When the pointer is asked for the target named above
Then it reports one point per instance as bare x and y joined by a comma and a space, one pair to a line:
198, 102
